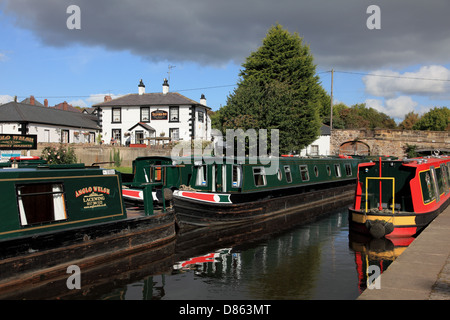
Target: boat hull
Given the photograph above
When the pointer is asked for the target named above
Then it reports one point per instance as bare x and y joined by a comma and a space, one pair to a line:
408, 224
210, 209
31, 258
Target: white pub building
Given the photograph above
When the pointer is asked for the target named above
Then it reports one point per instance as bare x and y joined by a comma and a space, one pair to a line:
146, 118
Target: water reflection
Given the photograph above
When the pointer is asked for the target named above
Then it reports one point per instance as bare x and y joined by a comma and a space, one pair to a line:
319, 260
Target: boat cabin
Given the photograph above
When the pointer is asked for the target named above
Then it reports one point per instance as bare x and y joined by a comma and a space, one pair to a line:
236, 176
45, 198
412, 185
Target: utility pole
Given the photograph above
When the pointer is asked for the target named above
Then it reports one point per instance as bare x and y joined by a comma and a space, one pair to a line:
331, 114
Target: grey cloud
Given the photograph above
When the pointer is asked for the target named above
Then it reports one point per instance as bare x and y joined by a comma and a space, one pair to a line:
216, 32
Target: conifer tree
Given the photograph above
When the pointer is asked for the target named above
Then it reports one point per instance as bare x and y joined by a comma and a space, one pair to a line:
278, 89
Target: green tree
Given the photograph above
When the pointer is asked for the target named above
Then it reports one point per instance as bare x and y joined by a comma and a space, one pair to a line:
360, 116
278, 90
437, 119
409, 121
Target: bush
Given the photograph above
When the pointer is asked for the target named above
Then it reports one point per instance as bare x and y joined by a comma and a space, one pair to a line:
59, 155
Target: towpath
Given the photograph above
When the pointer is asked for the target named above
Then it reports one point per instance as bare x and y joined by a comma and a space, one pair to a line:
422, 271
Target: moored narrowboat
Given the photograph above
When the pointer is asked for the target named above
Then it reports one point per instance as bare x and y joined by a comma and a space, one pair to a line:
398, 198
56, 214
162, 173
227, 191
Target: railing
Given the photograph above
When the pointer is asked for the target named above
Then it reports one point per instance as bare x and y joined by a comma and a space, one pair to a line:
393, 191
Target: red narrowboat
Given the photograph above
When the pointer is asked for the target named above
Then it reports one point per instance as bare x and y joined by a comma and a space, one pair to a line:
398, 198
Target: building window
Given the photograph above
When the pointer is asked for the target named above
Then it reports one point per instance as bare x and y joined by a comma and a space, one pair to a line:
145, 114
314, 150
40, 203
65, 136
304, 173
200, 116
116, 136
174, 114
116, 115
174, 133
259, 176
139, 136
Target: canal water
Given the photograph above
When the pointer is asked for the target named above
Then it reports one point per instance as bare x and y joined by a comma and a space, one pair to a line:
318, 260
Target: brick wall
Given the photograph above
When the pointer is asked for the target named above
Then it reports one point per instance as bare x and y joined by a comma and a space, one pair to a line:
89, 154
391, 141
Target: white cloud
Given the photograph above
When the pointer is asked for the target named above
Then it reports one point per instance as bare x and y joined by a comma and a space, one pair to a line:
388, 83
78, 103
100, 97
3, 57
5, 99
398, 107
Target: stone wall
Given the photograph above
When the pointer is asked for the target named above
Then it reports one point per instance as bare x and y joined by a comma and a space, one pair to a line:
90, 154
391, 141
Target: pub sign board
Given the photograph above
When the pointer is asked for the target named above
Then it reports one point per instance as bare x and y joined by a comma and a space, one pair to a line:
18, 142
159, 115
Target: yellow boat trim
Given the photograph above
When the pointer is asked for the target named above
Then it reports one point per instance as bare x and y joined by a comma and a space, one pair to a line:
397, 220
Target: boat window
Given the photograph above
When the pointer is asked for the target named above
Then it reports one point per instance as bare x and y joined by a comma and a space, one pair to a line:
427, 186
440, 180
201, 175
328, 170
236, 176
279, 176
435, 183
287, 172
40, 202
259, 176
444, 174
304, 173
337, 170
316, 171
348, 169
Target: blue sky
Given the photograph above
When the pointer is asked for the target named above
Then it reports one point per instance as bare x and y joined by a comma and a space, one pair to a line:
403, 66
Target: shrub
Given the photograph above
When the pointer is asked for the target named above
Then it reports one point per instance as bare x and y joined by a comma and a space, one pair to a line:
59, 155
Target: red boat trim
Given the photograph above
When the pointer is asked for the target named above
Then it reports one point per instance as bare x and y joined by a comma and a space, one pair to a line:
133, 194
206, 197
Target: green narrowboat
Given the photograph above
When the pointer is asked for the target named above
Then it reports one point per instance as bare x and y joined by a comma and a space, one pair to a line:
52, 214
225, 191
163, 174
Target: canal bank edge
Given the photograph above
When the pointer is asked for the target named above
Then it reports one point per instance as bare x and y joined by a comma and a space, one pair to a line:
422, 271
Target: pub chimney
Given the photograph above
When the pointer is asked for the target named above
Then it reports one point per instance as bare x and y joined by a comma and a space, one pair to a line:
165, 87
141, 88
203, 100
